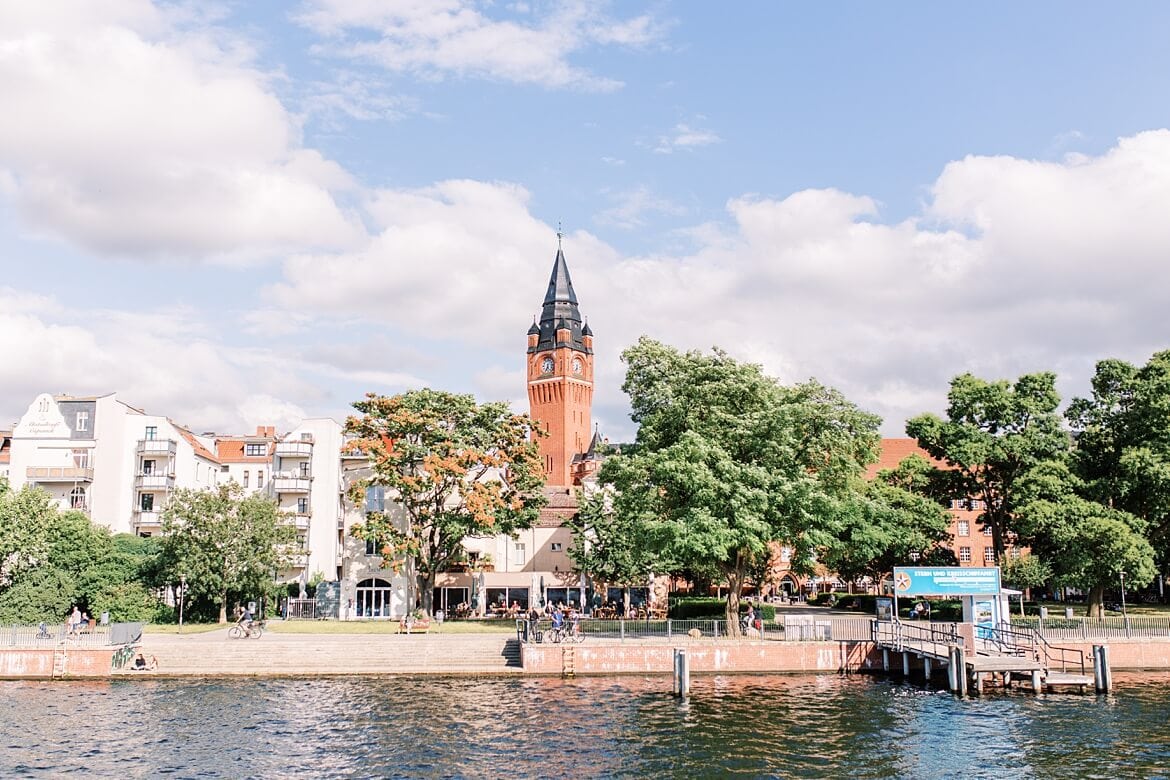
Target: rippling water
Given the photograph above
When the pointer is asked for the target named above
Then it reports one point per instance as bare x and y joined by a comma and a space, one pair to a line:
807, 726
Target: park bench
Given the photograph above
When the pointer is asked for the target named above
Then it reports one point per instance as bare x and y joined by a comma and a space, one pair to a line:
413, 626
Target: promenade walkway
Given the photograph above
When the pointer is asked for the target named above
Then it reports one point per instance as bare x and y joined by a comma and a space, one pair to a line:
279, 654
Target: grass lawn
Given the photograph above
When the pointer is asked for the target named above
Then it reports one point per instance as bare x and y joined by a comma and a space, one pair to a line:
188, 628
1056, 609
387, 627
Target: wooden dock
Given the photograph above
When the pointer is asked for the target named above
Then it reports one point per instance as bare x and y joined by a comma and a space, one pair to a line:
984, 657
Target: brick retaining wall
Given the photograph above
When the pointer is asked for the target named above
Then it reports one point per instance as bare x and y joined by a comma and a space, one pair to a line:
37, 663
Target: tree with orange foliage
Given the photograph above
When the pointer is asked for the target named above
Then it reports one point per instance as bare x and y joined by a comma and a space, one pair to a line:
450, 468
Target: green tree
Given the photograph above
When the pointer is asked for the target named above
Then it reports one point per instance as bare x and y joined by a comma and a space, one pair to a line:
604, 546
223, 543
452, 468
994, 433
727, 460
1027, 571
1088, 543
895, 522
1123, 443
25, 518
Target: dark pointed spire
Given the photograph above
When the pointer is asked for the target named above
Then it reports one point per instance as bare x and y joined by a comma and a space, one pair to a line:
560, 307
595, 443
585, 329
535, 329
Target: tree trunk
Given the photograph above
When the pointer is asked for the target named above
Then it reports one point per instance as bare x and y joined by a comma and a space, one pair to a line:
426, 586
222, 607
1094, 608
735, 579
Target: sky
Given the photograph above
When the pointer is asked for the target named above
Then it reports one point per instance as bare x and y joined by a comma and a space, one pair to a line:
238, 214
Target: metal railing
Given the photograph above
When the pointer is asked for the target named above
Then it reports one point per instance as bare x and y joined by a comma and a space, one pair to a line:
1090, 629
834, 629
934, 638
50, 635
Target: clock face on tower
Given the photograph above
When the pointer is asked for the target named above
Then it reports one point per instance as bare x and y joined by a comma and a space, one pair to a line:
577, 367
546, 365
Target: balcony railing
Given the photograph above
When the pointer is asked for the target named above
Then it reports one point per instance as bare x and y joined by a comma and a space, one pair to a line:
294, 449
301, 520
291, 483
155, 481
157, 446
147, 517
40, 474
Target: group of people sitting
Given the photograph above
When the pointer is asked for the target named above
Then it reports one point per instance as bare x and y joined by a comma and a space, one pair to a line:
78, 621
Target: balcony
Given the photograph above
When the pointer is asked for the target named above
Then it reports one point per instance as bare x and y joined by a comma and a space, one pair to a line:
299, 560
39, 474
157, 447
301, 520
290, 482
147, 518
155, 481
294, 449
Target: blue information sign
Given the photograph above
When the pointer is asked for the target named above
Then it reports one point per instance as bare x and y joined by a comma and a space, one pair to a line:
946, 580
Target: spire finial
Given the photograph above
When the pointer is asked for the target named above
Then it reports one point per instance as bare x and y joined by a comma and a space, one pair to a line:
560, 235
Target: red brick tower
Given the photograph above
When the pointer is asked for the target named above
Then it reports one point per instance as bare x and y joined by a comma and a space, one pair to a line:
560, 377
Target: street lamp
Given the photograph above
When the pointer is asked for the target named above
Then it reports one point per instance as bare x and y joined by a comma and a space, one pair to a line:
182, 597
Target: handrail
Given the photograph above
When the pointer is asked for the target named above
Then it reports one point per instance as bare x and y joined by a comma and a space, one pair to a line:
900, 633
1062, 653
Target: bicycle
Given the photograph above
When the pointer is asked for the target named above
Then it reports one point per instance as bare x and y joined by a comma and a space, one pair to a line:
568, 634
253, 631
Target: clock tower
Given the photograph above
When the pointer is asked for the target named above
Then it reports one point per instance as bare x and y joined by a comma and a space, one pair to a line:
560, 377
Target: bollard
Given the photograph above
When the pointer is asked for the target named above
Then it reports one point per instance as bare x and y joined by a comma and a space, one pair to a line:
905, 664
1102, 675
961, 669
682, 673
885, 659
1037, 686
952, 683
926, 668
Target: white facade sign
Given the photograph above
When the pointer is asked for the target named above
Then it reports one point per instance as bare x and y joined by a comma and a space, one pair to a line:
43, 420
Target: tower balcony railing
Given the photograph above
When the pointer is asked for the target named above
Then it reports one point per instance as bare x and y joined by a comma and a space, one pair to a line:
291, 482
157, 447
155, 480
294, 449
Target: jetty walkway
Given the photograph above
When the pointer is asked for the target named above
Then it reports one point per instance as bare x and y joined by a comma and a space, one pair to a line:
975, 656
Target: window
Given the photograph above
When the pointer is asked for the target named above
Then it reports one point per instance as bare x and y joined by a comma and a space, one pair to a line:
77, 498
519, 553
785, 554
246, 475
964, 528
958, 503
259, 479
147, 502
305, 468
148, 467
989, 555
556, 547
302, 506
306, 437
964, 555
151, 432
82, 422
987, 530
915, 555
81, 459
371, 549
1014, 552
255, 450
375, 498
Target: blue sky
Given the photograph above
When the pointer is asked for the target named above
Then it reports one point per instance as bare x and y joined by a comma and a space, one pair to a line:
239, 214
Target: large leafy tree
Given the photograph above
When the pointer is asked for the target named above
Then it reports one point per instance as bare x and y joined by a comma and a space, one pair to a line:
1122, 448
994, 433
603, 545
1088, 543
25, 518
897, 524
727, 460
453, 468
224, 543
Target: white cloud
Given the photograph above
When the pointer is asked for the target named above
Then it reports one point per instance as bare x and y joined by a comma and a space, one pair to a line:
683, 136
1013, 266
632, 206
127, 133
454, 38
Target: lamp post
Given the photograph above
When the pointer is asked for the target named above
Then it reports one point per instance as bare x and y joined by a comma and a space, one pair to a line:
1124, 614
182, 598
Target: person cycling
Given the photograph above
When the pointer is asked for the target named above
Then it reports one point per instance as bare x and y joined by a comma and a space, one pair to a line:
245, 621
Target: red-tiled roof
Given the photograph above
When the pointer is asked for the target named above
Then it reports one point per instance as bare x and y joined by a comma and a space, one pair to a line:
200, 450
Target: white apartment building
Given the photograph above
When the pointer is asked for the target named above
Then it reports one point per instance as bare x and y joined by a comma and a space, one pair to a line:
101, 456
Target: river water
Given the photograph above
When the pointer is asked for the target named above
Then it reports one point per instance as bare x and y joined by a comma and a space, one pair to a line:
765, 726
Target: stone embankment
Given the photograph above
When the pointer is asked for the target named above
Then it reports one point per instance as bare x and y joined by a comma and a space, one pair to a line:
274, 654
